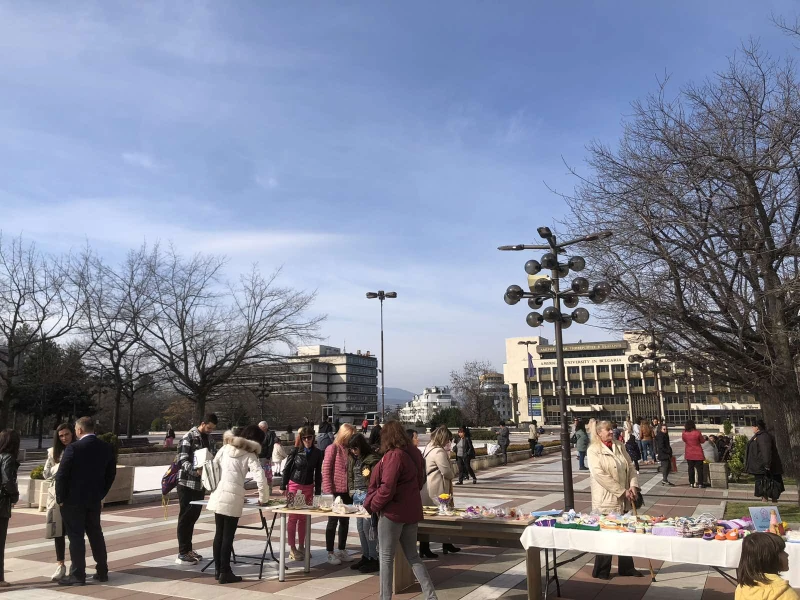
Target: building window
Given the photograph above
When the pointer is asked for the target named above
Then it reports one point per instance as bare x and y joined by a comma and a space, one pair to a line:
575, 385
636, 383
573, 370
602, 368
650, 381
588, 370
605, 383
544, 371
634, 368
617, 368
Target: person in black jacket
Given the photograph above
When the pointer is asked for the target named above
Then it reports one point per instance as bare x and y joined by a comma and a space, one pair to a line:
86, 473
302, 474
763, 461
375, 435
664, 454
9, 493
265, 457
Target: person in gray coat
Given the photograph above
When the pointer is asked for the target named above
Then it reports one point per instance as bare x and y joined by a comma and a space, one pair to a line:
503, 440
581, 440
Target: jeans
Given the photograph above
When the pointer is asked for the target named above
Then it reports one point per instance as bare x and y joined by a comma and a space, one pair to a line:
581, 459
647, 450
390, 535
695, 464
61, 548
464, 469
665, 467
81, 520
223, 542
188, 515
602, 565
296, 521
369, 548
3, 534
343, 524
641, 448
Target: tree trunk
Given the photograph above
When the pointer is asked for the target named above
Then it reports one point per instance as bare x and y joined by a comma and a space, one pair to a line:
117, 402
5, 407
130, 418
199, 408
41, 431
781, 408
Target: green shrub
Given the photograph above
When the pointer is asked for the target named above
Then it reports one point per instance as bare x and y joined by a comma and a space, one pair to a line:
483, 434
727, 427
147, 450
452, 417
736, 461
37, 472
157, 424
110, 438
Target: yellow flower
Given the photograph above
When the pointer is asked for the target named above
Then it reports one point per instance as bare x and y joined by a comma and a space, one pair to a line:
365, 472
444, 496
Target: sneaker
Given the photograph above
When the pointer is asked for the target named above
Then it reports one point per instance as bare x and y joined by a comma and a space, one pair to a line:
186, 559
60, 573
343, 556
302, 552
372, 566
295, 554
333, 559
356, 566
196, 555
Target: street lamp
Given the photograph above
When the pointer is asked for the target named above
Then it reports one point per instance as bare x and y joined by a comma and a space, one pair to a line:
543, 289
651, 360
381, 295
263, 394
529, 371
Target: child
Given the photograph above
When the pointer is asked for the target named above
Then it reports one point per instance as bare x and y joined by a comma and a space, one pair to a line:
360, 465
632, 446
763, 557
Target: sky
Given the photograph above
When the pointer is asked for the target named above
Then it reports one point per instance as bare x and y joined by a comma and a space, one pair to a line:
358, 145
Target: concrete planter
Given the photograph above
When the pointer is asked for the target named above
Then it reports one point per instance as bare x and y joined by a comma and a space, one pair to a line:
31, 490
146, 459
484, 462
43, 493
718, 474
122, 488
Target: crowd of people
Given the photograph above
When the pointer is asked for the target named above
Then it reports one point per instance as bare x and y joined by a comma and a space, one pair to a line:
386, 472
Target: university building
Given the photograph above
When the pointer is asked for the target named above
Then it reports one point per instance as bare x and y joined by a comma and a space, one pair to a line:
602, 383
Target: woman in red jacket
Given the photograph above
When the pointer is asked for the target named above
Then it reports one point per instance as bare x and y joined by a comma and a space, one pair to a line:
694, 453
334, 481
394, 494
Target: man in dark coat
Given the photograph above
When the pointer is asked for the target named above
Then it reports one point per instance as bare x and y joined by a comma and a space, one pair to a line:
84, 477
763, 461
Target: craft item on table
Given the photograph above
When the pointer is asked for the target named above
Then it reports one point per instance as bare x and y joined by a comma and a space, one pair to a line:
444, 504
648, 529
545, 513
488, 513
472, 512
732, 535
500, 513
340, 508
720, 535
775, 525
546, 521
708, 535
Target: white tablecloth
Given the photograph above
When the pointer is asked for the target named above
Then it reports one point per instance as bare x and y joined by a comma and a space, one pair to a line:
670, 549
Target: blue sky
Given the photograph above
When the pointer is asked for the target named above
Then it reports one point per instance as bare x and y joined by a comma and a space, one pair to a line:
360, 145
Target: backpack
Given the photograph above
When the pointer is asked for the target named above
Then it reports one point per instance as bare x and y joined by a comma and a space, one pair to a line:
211, 474
168, 483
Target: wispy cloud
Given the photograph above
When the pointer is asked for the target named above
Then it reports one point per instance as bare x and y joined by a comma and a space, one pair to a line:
140, 159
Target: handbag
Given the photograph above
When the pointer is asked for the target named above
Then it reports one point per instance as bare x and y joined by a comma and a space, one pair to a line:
210, 474
673, 467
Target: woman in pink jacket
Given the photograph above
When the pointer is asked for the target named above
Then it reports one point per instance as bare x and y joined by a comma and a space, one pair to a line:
334, 481
694, 455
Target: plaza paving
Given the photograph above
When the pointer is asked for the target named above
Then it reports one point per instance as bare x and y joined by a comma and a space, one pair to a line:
142, 548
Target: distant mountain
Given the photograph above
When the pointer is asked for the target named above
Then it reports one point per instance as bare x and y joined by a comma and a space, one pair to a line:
396, 396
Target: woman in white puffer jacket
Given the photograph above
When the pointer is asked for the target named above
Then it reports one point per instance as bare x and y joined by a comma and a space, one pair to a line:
237, 457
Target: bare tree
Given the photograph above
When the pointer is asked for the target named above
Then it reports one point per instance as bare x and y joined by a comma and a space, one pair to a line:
38, 303
702, 193
202, 332
469, 390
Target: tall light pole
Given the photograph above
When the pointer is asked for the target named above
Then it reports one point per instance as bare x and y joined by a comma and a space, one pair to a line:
549, 289
528, 343
655, 362
381, 295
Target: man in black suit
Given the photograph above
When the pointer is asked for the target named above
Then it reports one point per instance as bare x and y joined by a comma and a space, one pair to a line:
84, 477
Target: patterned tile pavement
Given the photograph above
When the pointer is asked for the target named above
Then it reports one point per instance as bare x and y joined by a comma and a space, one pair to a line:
142, 548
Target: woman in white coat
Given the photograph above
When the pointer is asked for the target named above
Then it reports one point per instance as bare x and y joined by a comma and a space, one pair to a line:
54, 525
237, 457
614, 488
439, 477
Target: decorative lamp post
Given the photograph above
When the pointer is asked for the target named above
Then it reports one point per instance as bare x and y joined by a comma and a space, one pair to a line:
542, 289
651, 360
381, 295
263, 394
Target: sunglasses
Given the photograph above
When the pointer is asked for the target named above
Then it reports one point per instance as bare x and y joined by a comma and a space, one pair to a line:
308, 437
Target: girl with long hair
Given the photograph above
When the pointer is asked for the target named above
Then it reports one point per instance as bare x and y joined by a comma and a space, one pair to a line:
360, 467
302, 474
9, 492
440, 477
334, 481
465, 452
763, 557
54, 525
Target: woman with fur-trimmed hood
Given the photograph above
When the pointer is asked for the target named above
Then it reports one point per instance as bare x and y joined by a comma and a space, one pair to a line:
237, 457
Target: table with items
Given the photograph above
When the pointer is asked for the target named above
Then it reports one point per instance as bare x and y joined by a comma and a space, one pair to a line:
702, 540
251, 504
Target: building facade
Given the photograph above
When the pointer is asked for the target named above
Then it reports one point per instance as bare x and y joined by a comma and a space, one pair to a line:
601, 383
425, 405
494, 386
346, 383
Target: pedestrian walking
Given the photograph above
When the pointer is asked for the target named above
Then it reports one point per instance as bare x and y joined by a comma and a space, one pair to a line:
237, 457
614, 489
633, 451
302, 474
324, 434
664, 454
440, 477
647, 435
763, 461
334, 481
581, 443
637, 433
693, 453
375, 435
533, 437
85, 474
394, 494
54, 524
503, 440
9, 491
169, 439
764, 557
360, 466
278, 456
465, 452
190, 487
267, 448
364, 426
